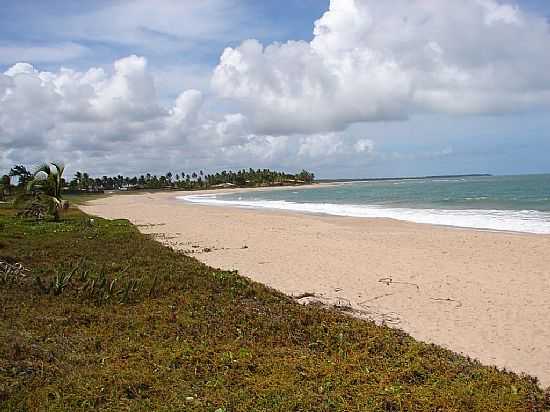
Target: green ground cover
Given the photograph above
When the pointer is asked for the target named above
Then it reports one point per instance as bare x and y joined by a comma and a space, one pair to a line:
102, 317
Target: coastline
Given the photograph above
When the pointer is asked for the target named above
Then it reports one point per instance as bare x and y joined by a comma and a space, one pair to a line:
481, 293
509, 221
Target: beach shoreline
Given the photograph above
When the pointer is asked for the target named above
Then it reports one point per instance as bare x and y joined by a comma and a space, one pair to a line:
182, 198
480, 293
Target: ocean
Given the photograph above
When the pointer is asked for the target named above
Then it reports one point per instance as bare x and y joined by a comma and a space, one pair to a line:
508, 203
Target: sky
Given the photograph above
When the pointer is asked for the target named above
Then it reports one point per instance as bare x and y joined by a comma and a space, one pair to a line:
345, 88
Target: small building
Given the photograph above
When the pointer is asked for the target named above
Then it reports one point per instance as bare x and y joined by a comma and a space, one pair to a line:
223, 186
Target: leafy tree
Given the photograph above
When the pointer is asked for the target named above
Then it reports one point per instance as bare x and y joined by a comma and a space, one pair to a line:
22, 174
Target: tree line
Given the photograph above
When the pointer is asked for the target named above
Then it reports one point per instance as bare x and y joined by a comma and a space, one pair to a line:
84, 182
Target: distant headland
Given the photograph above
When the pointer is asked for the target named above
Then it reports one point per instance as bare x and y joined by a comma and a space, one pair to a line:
376, 179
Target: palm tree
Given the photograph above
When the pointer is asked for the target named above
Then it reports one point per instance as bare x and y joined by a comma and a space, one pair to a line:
86, 181
78, 178
48, 179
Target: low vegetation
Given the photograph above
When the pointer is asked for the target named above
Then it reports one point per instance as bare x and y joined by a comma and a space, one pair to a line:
95, 315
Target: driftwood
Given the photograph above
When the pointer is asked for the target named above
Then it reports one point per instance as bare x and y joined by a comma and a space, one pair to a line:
389, 281
457, 302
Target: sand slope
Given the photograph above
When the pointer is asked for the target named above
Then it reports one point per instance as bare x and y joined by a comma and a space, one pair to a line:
484, 294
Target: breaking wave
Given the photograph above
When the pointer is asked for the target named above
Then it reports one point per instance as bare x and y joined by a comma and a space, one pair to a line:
529, 221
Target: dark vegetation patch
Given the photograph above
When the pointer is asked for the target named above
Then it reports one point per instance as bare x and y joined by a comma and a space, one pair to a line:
106, 318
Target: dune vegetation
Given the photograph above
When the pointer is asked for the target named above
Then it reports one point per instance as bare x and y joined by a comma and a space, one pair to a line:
96, 315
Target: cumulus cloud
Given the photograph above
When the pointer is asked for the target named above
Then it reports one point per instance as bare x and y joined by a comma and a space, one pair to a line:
44, 107
115, 121
371, 60
70, 113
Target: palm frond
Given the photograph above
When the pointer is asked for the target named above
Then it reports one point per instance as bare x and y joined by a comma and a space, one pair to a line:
41, 176
60, 167
43, 167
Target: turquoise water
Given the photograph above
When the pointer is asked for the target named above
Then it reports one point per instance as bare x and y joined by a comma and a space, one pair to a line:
513, 203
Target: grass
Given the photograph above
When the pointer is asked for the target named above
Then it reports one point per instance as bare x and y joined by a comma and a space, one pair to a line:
161, 331
78, 199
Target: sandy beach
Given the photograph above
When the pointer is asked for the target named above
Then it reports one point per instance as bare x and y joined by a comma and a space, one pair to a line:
483, 294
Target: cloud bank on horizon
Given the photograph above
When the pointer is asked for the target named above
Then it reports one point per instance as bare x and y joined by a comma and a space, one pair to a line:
290, 104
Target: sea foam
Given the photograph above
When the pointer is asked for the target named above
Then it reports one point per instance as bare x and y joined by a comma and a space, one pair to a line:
528, 221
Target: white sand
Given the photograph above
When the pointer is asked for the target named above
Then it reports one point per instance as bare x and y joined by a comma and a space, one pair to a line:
484, 294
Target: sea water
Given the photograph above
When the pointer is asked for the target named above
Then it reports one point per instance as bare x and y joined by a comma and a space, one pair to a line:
509, 203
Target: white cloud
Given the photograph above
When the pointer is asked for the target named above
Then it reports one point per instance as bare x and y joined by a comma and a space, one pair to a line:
70, 111
129, 92
372, 60
113, 121
501, 13
20, 68
186, 109
315, 146
330, 147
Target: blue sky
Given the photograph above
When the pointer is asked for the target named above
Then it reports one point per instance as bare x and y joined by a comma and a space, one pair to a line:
22, 22
378, 90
